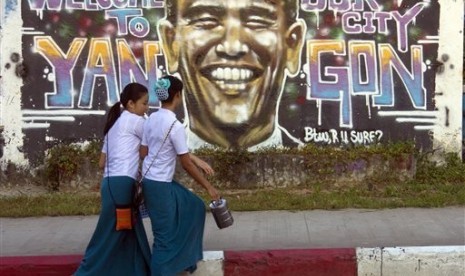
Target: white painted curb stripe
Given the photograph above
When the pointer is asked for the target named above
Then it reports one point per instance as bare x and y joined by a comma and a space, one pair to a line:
213, 255
211, 265
415, 260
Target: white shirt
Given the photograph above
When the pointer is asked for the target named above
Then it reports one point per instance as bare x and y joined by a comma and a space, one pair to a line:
121, 145
155, 130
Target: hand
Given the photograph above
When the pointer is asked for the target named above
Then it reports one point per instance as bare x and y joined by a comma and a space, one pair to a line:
204, 166
213, 193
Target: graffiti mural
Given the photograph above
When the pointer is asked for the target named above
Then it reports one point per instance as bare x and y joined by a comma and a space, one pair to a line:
257, 72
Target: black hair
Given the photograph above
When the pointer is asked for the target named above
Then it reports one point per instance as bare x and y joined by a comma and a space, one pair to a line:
176, 85
132, 92
290, 8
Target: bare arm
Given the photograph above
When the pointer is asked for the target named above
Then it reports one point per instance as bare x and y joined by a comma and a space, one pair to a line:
143, 151
204, 166
192, 170
102, 160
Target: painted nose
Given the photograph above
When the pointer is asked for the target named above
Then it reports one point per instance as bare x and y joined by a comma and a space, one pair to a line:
232, 44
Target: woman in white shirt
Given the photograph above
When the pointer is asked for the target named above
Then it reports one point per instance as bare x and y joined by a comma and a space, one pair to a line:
177, 215
111, 251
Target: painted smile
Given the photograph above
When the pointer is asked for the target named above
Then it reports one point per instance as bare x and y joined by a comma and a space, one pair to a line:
232, 80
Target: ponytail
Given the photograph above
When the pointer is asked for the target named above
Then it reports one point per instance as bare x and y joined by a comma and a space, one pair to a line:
131, 92
113, 115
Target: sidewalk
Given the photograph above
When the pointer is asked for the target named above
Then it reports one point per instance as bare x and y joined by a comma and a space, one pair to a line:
262, 231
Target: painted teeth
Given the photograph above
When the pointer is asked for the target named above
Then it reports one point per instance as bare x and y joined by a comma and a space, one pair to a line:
235, 74
231, 86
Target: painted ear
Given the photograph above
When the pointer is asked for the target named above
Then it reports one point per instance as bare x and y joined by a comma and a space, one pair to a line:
167, 33
294, 42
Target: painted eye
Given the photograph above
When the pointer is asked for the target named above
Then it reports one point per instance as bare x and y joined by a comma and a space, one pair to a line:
205, 22
258, 23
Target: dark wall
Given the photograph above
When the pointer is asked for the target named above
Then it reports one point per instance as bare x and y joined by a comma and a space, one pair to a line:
361, 77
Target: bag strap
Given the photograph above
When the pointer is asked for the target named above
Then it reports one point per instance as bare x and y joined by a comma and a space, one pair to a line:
108, 168
156, 155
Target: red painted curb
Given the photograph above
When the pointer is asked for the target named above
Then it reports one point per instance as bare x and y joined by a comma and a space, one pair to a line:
309, 262
39, 265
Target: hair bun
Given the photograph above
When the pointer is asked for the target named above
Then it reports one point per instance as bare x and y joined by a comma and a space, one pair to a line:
161, 89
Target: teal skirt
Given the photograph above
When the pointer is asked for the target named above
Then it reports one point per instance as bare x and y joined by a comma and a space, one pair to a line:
178, 219
112, 252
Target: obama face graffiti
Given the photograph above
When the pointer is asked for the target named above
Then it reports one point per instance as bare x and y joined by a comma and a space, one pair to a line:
233, 57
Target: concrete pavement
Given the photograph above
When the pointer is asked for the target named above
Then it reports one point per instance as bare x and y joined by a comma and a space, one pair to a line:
259, 230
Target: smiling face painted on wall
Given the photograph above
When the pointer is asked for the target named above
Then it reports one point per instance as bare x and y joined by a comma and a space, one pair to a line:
232, 56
